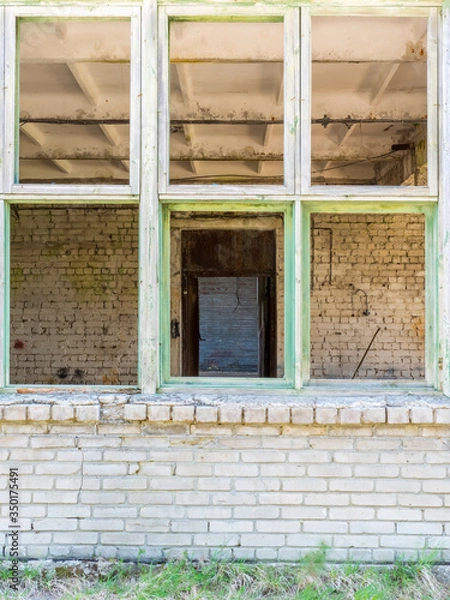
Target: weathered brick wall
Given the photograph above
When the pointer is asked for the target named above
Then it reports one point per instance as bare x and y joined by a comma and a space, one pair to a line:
74, 273
371, 264
118, 476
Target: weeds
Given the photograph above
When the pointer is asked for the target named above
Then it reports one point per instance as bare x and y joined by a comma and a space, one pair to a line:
310, 579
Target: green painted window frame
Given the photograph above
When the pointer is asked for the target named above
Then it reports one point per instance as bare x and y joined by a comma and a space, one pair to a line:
286, 209
430, 212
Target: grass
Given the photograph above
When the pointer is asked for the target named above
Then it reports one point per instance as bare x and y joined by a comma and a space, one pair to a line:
310, 579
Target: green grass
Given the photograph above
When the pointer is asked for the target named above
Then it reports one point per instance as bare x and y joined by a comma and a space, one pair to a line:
310, 579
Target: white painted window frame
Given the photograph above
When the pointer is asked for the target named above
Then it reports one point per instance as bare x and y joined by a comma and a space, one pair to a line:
142, 32
443, 257
349, 192
13, 13
4, 284
291, 116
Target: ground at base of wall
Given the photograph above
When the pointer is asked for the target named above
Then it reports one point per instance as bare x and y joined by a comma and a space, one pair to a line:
312, 578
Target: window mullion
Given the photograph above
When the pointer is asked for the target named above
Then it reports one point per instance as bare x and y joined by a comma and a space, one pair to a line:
444, 206
148, 211
135, 96
303, 162
10, 111
432, 101
292, 128
297, 312
4, 246
4, 294
2, 92
431, 297
163, 100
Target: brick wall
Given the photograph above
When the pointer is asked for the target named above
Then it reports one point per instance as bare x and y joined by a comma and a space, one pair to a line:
74, 295
368, 276
116, 476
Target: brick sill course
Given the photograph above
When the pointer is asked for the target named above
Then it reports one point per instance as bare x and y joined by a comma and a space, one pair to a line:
221, 409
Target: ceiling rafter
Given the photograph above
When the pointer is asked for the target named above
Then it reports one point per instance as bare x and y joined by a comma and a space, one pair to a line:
195, 166
90, 89
111, 133
340, 133
85, 81
185, 82
36, 135
33, 133
63, 165
269, 130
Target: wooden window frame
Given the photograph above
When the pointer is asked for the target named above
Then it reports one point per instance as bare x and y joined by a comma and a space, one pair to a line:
13, 15
169, 381
430, 213
347, 192
291, 114
150, 187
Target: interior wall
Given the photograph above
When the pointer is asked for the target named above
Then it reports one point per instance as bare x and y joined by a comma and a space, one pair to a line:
74, 274
367, 281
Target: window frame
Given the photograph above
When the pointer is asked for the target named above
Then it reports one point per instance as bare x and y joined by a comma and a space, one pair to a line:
291, 110
142, 159
60, 201
407, 193
169, 381
12, 79
150, 187
430, 212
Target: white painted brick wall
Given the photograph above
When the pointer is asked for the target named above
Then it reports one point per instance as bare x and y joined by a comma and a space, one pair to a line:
166, 487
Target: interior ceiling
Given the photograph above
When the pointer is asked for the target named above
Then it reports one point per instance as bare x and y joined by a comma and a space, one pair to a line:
369, 79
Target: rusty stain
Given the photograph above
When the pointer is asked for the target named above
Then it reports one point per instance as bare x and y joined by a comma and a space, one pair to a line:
418, 326
111, 378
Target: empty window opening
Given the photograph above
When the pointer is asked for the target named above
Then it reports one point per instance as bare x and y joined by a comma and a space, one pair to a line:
74, 109
367, 296
369, 101
74, 274
226, 102
226, 297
